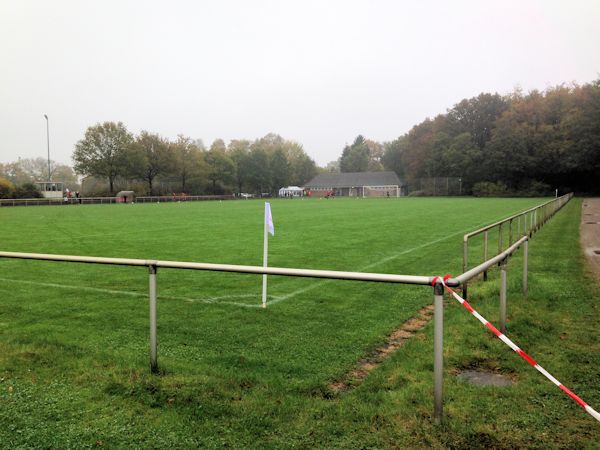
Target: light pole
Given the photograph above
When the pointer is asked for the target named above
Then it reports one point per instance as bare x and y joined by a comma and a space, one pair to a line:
48, 140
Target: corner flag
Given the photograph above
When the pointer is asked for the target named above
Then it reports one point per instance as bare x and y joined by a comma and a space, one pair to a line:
269, 219
269, 228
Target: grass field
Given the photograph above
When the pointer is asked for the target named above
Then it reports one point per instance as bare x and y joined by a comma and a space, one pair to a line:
74, 338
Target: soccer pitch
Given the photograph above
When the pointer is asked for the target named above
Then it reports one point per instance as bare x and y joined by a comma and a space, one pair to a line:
75, 336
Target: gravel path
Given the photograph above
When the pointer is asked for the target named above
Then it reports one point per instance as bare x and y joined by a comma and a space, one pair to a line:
590, 232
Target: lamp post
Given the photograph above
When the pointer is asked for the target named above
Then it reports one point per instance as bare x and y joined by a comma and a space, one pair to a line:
48, 140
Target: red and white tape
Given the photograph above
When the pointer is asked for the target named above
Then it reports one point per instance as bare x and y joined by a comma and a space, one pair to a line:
512, 345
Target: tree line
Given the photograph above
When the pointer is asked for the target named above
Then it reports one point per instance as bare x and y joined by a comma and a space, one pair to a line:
17, 178
156, 165
515, 143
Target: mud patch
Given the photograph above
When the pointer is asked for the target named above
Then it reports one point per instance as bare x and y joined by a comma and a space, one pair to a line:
481, 378
393, 342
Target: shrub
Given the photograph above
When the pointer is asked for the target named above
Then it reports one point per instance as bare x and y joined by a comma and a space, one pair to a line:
6, 188
489, 189
27, 190
536, 189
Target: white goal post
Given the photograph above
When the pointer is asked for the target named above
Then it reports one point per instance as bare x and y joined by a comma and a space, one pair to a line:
381, 191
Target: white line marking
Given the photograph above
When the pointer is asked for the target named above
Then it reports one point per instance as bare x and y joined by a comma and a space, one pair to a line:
217, 300
368, 266
214, 300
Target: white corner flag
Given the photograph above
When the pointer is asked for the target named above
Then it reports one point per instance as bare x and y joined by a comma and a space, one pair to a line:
269, 228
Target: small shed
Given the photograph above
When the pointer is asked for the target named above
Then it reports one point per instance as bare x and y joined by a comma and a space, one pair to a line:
125, 197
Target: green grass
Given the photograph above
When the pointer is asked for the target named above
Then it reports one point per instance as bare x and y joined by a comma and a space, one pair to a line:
74, 337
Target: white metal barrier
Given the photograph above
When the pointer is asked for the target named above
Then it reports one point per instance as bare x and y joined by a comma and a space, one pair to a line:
527, 223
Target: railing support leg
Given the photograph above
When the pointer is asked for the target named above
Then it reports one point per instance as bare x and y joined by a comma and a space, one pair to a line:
485, 254
438, 352
525, 266
503, 296
152, 299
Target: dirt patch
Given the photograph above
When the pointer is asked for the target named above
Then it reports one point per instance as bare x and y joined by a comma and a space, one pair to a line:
392, 343
590, 233
480, 378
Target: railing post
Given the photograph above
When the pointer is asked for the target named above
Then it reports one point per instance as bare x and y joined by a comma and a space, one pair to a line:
485, 254
500, 238
152, 298
503, 296
525, 266
510, 232
438, 352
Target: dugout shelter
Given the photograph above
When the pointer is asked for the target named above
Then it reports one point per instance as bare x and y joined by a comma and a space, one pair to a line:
125, 197
356, 184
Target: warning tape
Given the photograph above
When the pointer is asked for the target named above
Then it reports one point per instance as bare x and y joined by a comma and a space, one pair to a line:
517, 350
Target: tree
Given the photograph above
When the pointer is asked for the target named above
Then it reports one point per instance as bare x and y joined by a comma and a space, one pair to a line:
280, 170
102, 151
187, 161
257, 169
355, 158
392, 156
476, 116
238, 151
149, 156
221, 169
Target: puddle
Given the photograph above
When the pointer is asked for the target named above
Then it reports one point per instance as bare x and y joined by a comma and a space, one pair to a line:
485, 378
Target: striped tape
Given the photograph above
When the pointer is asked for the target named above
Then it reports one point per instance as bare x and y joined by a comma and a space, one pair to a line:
516, 349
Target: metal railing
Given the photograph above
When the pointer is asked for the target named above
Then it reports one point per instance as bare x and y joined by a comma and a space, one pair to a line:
109, 200
536, 217
153, 266
527, 223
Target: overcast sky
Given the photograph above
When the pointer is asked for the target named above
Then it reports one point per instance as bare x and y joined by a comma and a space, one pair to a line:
317, 72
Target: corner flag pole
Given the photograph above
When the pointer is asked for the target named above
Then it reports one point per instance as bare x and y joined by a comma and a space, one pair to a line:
268, 228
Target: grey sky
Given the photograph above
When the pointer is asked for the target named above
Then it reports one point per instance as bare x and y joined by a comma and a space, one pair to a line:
316, 72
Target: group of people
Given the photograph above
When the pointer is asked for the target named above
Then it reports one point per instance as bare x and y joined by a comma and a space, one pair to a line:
69, 195
181, 197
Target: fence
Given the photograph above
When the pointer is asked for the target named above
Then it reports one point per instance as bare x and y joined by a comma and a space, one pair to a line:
528, 222
109, 200
431, 281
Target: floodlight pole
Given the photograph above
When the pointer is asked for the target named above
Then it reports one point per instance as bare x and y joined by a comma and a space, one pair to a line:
48, 141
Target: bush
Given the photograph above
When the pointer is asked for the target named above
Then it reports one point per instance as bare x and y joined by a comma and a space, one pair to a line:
489, 189
536, 189
6, 188
27, 190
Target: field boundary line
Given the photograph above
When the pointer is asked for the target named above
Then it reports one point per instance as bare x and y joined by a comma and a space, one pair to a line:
368, 266
210, 300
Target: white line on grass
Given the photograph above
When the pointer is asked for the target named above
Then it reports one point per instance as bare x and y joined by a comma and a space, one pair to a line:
368, 266
216, 300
